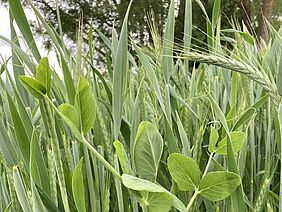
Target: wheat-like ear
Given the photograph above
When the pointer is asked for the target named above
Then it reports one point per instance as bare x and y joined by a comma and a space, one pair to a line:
238, 66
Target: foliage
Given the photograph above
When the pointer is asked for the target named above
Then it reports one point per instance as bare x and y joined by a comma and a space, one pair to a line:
150, 134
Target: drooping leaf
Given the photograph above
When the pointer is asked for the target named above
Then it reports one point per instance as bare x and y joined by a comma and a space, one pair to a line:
138, 184
147, 150
216, 186
35, 87
184, 171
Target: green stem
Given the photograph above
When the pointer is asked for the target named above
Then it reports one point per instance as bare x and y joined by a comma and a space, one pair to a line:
101, 159
280, 124
197, 191
208, 164
82, 139
192, 199
56, 152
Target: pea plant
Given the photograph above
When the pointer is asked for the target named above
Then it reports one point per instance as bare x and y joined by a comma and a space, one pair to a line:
168, 127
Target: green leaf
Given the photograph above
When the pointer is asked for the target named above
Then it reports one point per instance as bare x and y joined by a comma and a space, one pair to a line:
78, 187
87, 105
71, 113
35, 87
261, 101
168, 42
7, 146
20, 132
184, 171
122, 157
156, 202
237, 141
186, 149
21, 191
138, 184
245, 35
43, 73
279, 76
219, 113
216, 186
216, 12
21, 20
120, 75
147, 151
247, 115
213, 139
36, 200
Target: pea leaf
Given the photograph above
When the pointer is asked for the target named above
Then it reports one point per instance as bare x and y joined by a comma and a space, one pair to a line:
184, 171
71, 113
142, 185
147, 150
78, 187
213, 139
122, 157
87, 105
43, 73
156, 202
237, 141
216, 186
34, 87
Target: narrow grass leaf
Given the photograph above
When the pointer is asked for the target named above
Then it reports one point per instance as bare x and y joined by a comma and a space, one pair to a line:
21, 191
279, 76
168, 43
78, 187
21, 136
21, 20
120, 75
245, 117
36, 200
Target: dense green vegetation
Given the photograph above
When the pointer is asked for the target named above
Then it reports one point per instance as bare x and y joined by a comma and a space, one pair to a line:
167, 127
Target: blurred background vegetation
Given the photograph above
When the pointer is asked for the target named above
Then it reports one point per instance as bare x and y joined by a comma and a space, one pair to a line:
103, 14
